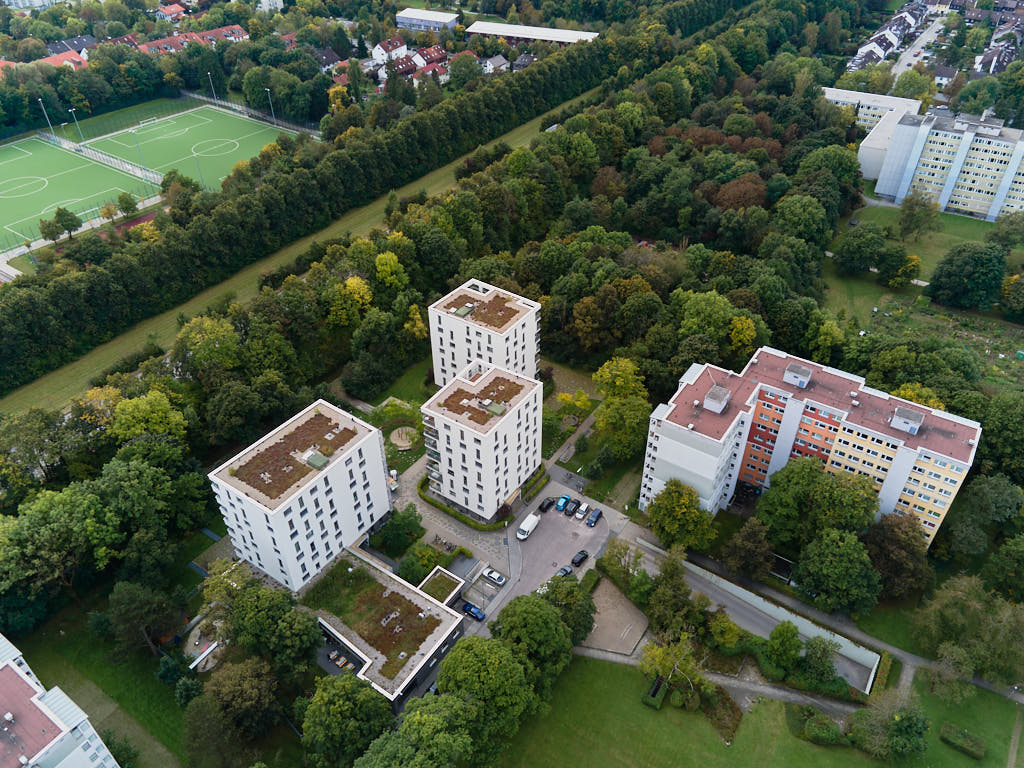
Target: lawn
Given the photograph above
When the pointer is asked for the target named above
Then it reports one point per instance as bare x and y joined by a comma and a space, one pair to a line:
891, 623
126, 117
596, 719
439, 586
23, 264
985, 714
726, 525
932, 246
552, 439
855, 297
55, 389
412, 386
600, 488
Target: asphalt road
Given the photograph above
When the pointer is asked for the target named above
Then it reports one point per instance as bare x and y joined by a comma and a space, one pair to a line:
907, 59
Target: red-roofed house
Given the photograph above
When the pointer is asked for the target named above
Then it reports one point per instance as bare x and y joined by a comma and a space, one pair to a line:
462, 53
289, 41
392, 48
341, 78
173, 44
66, 59
403, 65
171, 12
4, 64
435, 54
428, 71
232, 32
722, 428
129, 40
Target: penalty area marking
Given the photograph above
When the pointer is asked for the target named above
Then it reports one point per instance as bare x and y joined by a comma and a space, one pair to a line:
214, 147
22, 186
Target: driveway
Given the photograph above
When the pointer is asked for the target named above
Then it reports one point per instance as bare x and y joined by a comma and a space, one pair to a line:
907, 59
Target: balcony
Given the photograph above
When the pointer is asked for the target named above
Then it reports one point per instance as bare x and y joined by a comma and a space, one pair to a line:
430, 443
434, 475
434, 455
436, 487
428, 421
429, 432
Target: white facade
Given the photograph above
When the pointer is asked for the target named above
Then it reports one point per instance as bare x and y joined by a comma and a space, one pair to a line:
269, 6
517, 32
46, 729
965, 163
385, 50
480, 322
871, 107
420, 20
483, 434
291, 531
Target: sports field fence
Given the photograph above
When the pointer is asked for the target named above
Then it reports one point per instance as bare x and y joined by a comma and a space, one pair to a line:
246, 111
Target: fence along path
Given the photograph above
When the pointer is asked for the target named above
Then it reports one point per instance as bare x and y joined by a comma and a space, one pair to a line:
102, 157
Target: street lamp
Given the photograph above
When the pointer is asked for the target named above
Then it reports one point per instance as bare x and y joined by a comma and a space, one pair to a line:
43, 107
272, 115
73, 115
138, 146
211, 86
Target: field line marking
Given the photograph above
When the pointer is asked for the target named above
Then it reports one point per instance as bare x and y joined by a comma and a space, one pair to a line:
25, 154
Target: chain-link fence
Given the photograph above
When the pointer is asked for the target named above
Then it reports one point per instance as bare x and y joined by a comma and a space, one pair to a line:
254, 114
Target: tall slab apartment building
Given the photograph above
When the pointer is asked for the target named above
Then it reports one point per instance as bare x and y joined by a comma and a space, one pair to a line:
477, 321
299, 495
721, 428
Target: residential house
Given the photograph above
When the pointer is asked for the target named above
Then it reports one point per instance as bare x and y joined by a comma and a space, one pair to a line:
523, 60
172, 12
494, 64
289, 41
403, 66
389, 49
326, 58
426, 73
79, 45
67, 59
435, 54
171, 44
944, 75
232, 33
269, 6
130, 40
996, 59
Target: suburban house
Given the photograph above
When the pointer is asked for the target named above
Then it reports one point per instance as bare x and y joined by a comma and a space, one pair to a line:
523, 60
175, 43
129, 40
67, 59
289, 41
326, 58
403, 66
435, 54
171, 12
392, 48
944, 75
79, 45
418, 20
494, 64
425, 73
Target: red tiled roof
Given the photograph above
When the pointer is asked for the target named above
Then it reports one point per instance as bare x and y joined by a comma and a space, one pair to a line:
404, 65
341, 79
391, 44
32, 729
289, 40
170, 10
433, 53
4, 64
67, 58
939, 432
171, 44
123, 40
464, 53
430, 69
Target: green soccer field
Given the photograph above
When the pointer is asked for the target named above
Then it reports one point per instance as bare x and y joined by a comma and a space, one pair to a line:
36, 177
207, 137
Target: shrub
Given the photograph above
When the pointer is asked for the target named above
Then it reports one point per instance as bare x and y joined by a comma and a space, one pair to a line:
962, 741
655, 695
676, 699
128, 363
590, 579
582, 444
881, 674
422, 490
693, 702
820, 729
187, 689
169, 671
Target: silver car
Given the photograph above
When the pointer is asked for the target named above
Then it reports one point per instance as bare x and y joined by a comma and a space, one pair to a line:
492, 575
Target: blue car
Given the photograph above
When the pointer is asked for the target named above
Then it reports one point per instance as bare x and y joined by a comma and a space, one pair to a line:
562, 501
471, 610
594, 517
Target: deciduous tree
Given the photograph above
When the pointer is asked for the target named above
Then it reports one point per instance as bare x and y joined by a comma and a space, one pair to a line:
246, 693
969, 276
342, 720
918, 214
534, 630
575, 604
748, 551
900, 555
677, 518
784, 646
835, 571
1004, 570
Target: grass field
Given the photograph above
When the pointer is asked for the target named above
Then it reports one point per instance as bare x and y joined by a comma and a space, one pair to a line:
36, 177
119, 119
932, 246
205, 141
55, 389
411, 386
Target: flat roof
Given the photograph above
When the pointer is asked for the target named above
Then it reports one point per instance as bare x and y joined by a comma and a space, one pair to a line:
32, 729
480, 396
423, 15
874, 99
270, 470
940, 432
529, 33
479, 303
425, 607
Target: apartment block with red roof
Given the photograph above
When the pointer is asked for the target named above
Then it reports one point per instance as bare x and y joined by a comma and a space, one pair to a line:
722, 428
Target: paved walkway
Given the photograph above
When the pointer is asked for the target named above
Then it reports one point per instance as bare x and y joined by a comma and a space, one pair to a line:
742, 691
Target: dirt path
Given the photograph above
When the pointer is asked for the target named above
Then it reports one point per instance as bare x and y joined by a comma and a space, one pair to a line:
1011, 757
623, 492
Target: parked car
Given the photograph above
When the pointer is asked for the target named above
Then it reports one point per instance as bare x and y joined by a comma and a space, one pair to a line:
492, 575
582, 511
562, 501
571, 507
594, 517
565, 570
546, 504
579, 558
471, 610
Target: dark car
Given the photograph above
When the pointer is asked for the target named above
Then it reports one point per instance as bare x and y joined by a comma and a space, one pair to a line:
471, 610
562, 501
546, 504
571, 507
579, 558
565, 570
594, 517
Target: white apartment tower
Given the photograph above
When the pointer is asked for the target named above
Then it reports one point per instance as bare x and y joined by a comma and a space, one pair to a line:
723, 427
480, 322
42, 728
302, 493
482, 433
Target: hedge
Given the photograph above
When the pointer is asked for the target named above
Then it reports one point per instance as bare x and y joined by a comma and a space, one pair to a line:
128, 363
590, 579
422, 489
656, 699
534, 487
820, 729
961, 740
881, 675
758, 648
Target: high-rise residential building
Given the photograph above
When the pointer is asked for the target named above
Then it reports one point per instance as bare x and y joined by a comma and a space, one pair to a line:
42, 728
871, 107
723, 427
302, 493
480, 322
482, 433
967, 164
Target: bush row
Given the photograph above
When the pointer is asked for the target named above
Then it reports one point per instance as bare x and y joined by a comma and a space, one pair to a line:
422, 488
963, 741
655, 695
129, 363
590, 580
534, 486
881, 675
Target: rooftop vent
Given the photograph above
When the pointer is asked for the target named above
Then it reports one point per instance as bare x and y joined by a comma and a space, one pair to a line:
716, 399
853, 394
8, 717
906, 419
855, 403
797, 375
696, 403
317, 460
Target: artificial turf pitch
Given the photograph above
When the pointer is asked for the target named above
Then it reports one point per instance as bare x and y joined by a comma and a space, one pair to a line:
205, 142
36, 177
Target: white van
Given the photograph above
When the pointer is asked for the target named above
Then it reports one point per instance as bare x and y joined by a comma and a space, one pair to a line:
583, 511
527, 527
